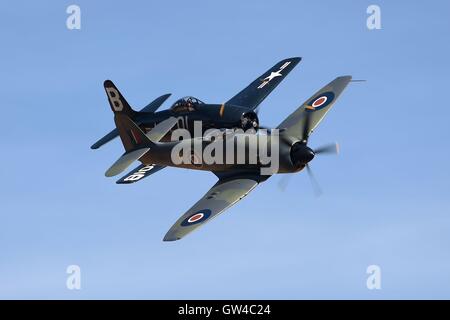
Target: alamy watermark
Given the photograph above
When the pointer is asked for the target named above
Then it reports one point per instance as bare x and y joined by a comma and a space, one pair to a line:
73, 21
73, 281
374, 279
374, 19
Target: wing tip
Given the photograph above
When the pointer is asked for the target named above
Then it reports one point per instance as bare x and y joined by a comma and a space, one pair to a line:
347, 77
168, 238
110, 173
293, 59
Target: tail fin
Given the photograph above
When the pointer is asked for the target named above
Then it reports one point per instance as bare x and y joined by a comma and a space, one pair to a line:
150, 108
135, 141
116, 100
131, 135
134, 138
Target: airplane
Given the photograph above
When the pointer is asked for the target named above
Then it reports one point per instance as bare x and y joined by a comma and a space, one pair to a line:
238, 112
235, 180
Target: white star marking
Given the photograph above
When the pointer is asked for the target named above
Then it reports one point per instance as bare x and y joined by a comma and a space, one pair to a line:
273, 75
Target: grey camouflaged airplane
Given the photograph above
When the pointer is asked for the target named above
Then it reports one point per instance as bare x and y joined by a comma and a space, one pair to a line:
235, 180
238, 112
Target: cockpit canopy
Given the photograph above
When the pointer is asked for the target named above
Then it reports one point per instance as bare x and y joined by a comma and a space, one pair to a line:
186, 104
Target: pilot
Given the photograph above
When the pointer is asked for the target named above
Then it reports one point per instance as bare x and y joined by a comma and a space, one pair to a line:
189, 104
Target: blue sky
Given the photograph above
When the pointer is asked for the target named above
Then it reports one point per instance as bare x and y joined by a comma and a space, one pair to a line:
386, 197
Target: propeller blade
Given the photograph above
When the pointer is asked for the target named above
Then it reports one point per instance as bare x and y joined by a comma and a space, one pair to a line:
284, 182
286, 179
316, 187
306, 126
332, 148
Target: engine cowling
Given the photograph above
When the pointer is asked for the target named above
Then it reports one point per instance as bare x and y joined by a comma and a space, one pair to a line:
249, 120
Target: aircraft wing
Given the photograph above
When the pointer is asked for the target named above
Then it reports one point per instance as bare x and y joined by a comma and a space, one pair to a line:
314, 109
225, 193
139, 173
259, 89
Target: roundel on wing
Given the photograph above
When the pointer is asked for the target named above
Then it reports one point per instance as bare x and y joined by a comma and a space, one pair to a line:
197, 217
320, 101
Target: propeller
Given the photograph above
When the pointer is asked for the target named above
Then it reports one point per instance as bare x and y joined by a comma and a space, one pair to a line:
332, 148
328, 149
306, 128
302, 155
314, 183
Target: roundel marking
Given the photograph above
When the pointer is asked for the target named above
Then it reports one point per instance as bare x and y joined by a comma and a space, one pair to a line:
320, 101
197, 217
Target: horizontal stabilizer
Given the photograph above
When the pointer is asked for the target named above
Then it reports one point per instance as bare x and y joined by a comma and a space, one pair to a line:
163, 128
125, 161
111, 135
155, 104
